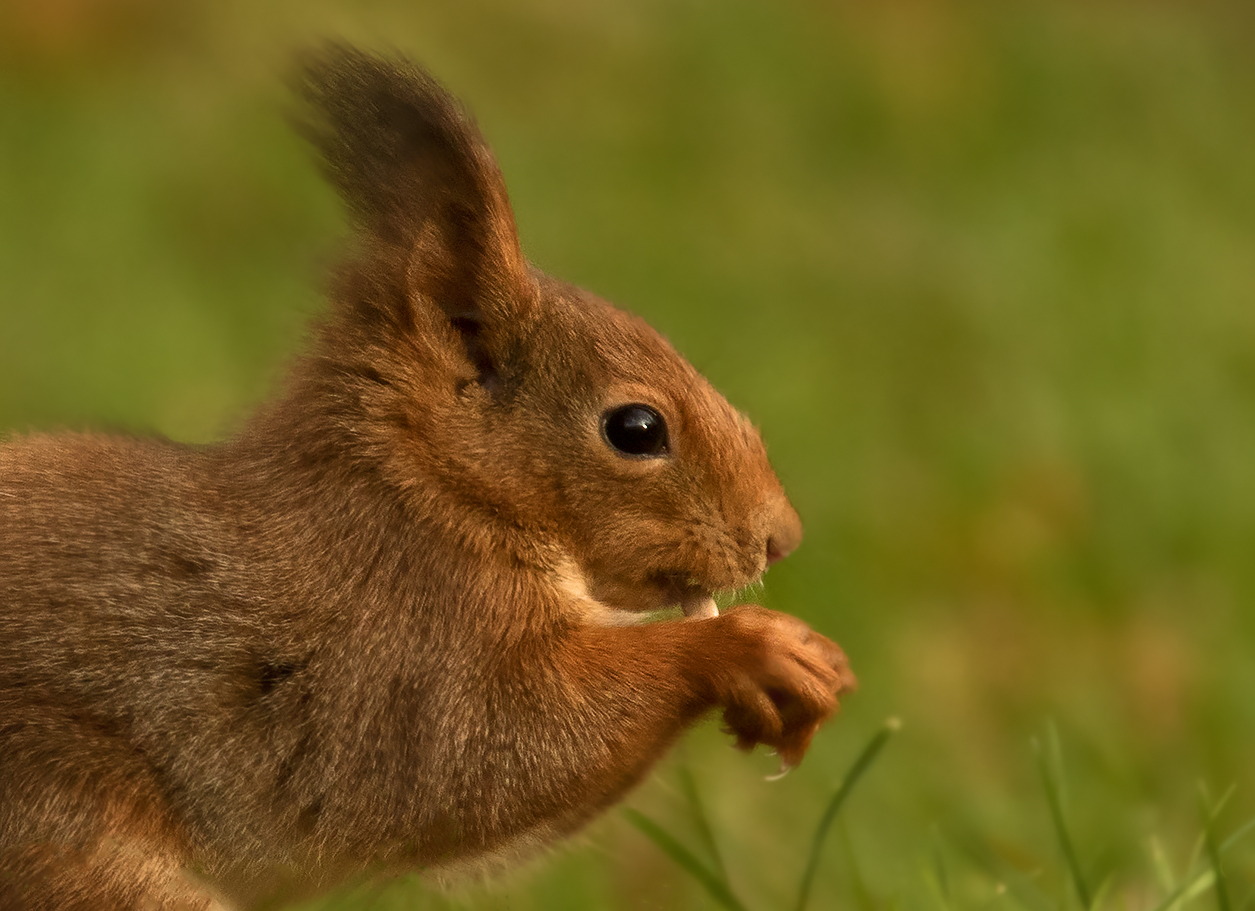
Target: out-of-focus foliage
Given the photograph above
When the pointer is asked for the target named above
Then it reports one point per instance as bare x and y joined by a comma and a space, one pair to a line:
984, 272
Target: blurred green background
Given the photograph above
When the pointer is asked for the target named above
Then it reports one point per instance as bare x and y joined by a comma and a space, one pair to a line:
983, 272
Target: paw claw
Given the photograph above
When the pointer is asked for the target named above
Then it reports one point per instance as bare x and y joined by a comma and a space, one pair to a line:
785, 769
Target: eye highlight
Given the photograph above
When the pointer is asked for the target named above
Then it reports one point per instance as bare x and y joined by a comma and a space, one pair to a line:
636, 430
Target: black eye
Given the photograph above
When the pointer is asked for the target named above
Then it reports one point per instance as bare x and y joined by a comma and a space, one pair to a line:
635, 430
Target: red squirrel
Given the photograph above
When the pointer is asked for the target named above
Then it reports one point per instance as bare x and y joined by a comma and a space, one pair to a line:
394, 622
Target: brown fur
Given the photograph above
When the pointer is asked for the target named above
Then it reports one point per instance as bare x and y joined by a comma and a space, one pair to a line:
376, 629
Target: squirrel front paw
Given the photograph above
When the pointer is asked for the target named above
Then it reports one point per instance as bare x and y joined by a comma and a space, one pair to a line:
776, 678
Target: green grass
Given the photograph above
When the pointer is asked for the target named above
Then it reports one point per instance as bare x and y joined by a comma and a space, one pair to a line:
1204, 870
716, 881
983, 273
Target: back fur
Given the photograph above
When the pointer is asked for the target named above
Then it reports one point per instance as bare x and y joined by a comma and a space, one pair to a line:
382, 628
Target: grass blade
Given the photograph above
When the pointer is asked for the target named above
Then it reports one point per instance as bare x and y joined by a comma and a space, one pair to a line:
1160, 864
1237, 836
860, 765
1209, 813
713, 884
688, 784
1100, 894
939, 875
1187, 890
1050, 763
1193, 885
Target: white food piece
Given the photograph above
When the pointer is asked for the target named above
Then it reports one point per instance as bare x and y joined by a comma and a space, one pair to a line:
700, 608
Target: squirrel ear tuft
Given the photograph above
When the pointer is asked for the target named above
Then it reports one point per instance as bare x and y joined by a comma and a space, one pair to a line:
416, 176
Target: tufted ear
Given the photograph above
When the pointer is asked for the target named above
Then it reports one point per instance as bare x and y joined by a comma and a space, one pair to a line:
419, 179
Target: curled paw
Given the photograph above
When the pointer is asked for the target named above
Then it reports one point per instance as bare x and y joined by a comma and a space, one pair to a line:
778, 680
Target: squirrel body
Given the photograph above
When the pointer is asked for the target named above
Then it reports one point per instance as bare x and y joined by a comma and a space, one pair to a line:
386, 625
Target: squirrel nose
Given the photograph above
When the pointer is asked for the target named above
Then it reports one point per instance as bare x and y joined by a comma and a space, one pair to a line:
785, 536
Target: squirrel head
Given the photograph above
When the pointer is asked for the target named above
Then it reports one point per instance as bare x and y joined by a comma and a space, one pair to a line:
491, 396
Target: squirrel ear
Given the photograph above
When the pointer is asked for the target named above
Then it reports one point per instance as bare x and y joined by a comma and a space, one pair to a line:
418, 178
